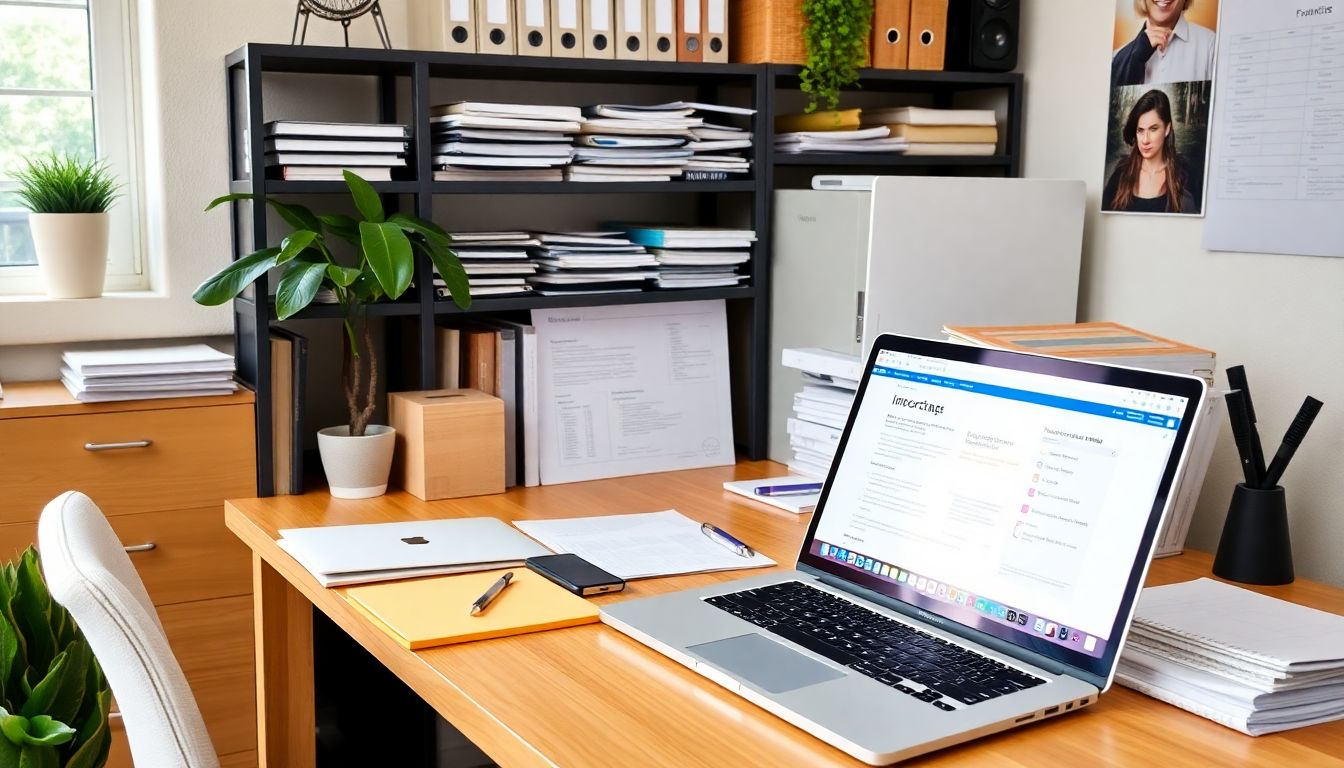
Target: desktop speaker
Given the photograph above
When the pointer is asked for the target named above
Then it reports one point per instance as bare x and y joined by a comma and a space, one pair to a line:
982, 35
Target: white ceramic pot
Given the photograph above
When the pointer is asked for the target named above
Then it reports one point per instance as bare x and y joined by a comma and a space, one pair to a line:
357, 467
71, 252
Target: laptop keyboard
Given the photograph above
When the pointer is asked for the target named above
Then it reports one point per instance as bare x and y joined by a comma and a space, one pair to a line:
916, 663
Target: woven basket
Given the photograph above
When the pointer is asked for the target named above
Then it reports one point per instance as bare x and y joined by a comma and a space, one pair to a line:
767, 31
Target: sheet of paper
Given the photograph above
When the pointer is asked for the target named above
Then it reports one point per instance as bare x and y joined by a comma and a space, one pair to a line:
641, 545
629, 390
1276, 183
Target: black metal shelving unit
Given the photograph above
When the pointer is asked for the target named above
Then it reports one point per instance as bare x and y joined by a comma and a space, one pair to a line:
404, 80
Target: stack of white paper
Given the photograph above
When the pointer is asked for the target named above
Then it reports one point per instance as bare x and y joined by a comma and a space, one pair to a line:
193, 370
861, 140
830, 381
496, 263
1239, 658
569, 262
475, 141
623, 142
696, 257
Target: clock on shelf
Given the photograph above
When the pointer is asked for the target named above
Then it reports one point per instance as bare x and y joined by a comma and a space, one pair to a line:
344, 11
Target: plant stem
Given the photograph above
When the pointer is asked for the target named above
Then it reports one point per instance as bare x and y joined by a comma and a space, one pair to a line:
361, 420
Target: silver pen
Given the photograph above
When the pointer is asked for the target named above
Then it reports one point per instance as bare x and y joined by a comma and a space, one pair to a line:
484, 601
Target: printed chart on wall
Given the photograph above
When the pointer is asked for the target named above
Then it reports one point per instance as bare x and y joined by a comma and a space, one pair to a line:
1277, 179
1162, 65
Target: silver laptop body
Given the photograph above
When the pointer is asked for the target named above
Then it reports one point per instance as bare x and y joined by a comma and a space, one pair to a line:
992, 508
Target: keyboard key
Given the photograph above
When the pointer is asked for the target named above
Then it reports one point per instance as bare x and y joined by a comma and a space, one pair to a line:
944, 706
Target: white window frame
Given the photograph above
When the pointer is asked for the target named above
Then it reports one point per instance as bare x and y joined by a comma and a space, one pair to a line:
116, 125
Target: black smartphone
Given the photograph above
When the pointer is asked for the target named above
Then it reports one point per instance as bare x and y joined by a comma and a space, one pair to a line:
576, 574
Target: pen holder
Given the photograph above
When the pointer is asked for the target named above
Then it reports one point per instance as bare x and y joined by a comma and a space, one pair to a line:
1255, 548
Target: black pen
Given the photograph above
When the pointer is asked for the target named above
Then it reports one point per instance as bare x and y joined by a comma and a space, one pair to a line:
1236, 376
1291, 439
1236, 411
484, 601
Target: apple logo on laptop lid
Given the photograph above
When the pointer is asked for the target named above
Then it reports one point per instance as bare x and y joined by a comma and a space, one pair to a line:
416, 540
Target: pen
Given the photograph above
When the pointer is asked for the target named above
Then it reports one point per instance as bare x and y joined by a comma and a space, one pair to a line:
484, 601
722, 537
1236, 411
1291, 439
795, 489
1236, 376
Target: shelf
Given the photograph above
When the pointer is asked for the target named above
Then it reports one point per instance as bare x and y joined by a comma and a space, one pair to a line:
244, 305
862, 159
585, 188
897, 79
505, 303
278, 187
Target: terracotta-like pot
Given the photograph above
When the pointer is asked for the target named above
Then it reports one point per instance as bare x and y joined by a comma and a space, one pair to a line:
71, 252
357, 467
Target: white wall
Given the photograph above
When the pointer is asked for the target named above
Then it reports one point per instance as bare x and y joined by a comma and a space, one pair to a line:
1280, 316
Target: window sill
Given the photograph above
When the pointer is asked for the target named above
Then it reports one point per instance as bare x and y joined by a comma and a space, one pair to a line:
38, 319
108, 296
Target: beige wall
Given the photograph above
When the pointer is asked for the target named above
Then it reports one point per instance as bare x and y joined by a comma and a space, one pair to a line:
1280, 316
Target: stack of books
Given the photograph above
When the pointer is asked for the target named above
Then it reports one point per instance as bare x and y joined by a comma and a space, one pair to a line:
589, 262
832, 131
621, 142
695, 257
1122, 345
193, 370
1242, 659
477, 141
938, 131
820, 410
496, 262
309, 151
720, 149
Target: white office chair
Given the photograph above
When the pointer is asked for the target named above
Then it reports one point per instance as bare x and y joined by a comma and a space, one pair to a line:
90, 574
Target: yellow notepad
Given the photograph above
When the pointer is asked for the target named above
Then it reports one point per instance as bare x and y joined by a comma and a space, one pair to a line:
423, 613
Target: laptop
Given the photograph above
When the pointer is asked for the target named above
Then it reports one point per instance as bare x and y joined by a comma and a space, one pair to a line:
972, 564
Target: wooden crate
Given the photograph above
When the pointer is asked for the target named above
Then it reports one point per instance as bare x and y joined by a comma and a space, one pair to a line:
767, 31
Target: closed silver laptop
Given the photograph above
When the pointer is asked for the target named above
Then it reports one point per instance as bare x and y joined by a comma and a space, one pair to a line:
973, 562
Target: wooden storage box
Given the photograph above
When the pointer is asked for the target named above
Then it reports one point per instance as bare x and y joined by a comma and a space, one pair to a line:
767, 31
450, 442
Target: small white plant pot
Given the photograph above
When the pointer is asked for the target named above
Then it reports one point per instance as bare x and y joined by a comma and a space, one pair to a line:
357, 467
71, 252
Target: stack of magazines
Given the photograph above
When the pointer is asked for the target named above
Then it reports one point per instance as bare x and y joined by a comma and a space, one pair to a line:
695, 257
309, 151
589, 262
194, 370
621, 142
476, 141
496, 262
720, 149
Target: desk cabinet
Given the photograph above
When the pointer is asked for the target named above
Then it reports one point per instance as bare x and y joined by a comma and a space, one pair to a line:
167, 493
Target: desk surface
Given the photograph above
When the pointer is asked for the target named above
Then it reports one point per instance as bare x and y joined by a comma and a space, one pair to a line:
589, 696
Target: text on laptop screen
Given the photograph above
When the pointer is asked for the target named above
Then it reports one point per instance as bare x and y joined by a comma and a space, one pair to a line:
1006, 500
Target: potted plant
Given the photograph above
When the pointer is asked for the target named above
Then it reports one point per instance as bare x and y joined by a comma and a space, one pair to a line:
836, 37
68, 198
54, 700
357, 456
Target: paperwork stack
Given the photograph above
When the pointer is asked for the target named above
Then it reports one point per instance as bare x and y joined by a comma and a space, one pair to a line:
621, 142
1122, 345
310, 151
830, 382
194, 370
695, 257
720, 149
496, 262
589, 262
1242, 659
475, 141
832, 132
938, 131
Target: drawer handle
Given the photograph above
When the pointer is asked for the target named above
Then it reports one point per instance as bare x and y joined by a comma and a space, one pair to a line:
113, 715
117, 446
148, 546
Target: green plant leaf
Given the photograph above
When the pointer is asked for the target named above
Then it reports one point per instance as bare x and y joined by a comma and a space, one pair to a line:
10, 752
32, 607
431, 231
65, 705
227, 283
341, 226
48, 732
93, 737
9, 651
297, 288
44, 693
454, 276
295, 244
389, 255
296, 216
34, 756
342, 276
366, 198
13, 727
65, 183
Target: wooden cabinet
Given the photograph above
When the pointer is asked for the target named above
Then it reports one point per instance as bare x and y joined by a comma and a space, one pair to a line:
160, 470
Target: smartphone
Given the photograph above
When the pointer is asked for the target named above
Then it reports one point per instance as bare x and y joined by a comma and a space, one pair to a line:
575, 574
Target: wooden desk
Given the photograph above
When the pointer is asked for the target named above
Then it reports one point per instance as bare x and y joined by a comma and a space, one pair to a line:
589, 696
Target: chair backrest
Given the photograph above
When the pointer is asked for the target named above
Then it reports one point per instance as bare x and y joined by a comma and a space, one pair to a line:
89, 573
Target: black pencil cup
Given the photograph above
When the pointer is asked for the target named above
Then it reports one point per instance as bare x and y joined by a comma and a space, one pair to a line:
1254, 548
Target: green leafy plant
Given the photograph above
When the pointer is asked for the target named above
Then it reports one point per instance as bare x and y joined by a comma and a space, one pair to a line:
383, 268
836, 35
54, 700
58, 183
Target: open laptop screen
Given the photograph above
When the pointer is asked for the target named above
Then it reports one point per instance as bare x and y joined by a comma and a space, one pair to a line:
1013, 494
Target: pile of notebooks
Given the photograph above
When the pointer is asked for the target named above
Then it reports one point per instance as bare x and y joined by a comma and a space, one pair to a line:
309, 151
1242, 659
475, 141
193, 370
589, 262
720, 149
695, 257
830, 382
622, 142
496, 262
833, 131
938, 131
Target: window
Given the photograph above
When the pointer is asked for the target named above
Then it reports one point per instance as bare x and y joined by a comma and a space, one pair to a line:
66, 85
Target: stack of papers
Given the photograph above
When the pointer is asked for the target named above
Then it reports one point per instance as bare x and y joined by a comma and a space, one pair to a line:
820, 410
1244, 660
876, 139
695, 257
193, 370
938, 131
720, 149
496, 262
623, 142
477, 141
308, 151
587, 262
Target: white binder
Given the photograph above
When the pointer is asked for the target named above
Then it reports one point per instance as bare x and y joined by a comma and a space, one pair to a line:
631, 25
534, 27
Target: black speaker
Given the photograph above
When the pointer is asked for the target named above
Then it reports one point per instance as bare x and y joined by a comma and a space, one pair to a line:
982, 35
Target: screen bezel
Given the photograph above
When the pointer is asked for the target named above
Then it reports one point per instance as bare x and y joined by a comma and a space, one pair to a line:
1098, 670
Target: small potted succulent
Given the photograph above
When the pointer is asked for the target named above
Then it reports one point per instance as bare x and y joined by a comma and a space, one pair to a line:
68, 198
356, 457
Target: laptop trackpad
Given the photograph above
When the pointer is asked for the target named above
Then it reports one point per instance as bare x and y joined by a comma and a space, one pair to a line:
765, 663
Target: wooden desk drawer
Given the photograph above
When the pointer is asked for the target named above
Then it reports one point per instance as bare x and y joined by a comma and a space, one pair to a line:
196, 456
194, 555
